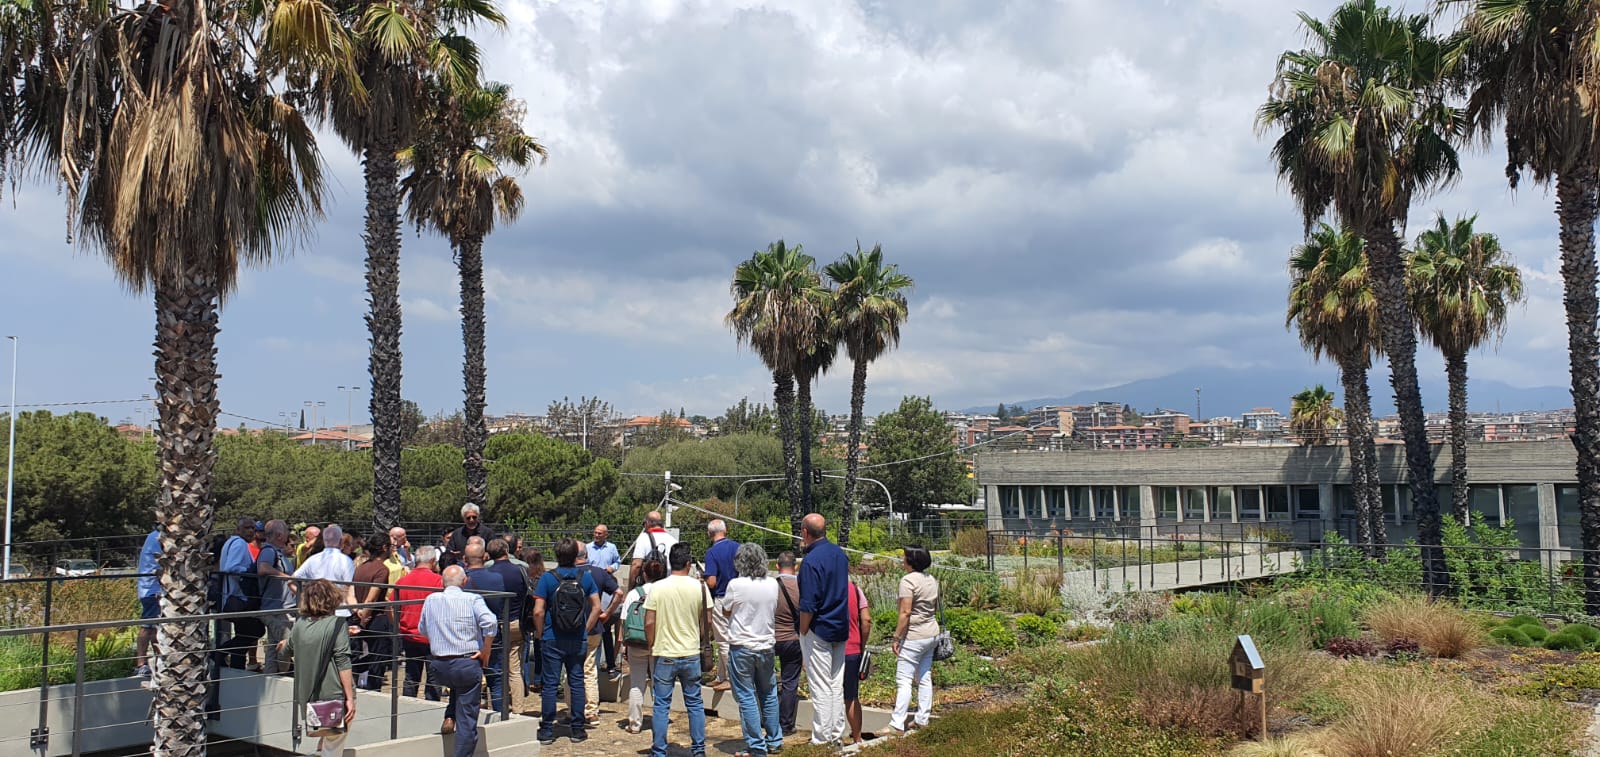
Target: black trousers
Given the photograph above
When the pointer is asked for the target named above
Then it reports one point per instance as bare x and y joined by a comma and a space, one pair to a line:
377, 650
245, 633
417, 656
608, 646
788, 683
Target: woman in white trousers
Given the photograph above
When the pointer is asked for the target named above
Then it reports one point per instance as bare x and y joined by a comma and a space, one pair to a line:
915, 636
640, 688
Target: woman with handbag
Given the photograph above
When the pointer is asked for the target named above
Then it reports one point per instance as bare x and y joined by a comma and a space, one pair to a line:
916, 638
324, 689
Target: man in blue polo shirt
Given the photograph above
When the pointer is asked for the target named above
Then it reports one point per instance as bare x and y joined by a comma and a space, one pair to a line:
824, 627
564, 620
149, 600
718, 574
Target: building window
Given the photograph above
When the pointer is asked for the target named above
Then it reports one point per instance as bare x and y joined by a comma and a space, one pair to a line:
1222, 503
1056, 502
1167, 499
1033, 502
1082, 506
1105, 505
1308, 503
1522, 511
1194, 504
1391, 503
1010, 502
1277, 503
1345, 496
1250, 503
1482, 501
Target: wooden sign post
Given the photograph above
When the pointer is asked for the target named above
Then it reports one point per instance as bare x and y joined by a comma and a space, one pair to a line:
1250, 677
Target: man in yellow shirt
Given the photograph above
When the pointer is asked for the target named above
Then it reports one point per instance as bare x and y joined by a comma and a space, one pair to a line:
677, 621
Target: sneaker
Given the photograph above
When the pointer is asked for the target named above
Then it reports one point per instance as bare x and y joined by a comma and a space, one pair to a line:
143, 671
546, 739
578, 737
615, 673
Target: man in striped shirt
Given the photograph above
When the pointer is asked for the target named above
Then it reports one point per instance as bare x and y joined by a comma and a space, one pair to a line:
460, 630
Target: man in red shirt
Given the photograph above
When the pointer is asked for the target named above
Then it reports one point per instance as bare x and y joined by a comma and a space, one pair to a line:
415, 586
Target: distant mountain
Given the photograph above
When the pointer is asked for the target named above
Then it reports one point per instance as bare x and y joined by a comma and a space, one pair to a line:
1232, 392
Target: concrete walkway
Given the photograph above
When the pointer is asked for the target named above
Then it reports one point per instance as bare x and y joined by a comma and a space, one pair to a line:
1190, 574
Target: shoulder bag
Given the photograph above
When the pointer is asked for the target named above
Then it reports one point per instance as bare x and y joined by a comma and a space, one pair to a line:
707, 659
794, 613
865, 669
325, 717
944, 647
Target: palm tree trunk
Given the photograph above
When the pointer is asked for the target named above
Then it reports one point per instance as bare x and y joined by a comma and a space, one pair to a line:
473, 432
1576, 208
852, 455
1355, 424
1378, 527
804, 415
1455, 367
383, 324
1400, 344
186, 396
783, 398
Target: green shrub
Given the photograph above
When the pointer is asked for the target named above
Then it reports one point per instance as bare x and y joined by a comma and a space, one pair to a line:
989, 633
1535, 631
1587, 633
1566, 642
970, 542
883, 625
965, 588
1037, 629
1329, 617
1516, 621
1511, 636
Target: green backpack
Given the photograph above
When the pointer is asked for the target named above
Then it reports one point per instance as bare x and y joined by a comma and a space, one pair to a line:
633, 633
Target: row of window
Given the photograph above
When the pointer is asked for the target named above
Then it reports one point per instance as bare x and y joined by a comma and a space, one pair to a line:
1494, 504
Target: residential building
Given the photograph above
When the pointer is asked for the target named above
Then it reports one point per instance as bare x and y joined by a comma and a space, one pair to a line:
1170, 422
1262, 420
1123, 437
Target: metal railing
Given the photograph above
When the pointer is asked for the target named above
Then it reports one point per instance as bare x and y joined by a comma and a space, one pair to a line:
83, 633
1496, 577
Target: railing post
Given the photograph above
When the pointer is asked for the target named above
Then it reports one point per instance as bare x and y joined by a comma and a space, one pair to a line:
395, 647
1061, 556
505, 671
41, 735
77, 702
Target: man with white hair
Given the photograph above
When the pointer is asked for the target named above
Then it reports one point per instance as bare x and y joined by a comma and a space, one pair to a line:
460, 631
719, 573
331, 564
653, 538
456, 542
401, 558
413, 586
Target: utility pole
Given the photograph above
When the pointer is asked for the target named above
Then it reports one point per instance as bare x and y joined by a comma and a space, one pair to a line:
349, 414
11, 459
1198, 418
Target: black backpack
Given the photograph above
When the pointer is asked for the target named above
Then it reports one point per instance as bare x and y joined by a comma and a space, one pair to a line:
569, 606
251, 587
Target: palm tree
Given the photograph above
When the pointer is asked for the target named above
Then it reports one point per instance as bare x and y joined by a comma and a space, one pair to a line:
178, 163
871, 306
1365, 130
375, 106
814, 360
1313, 416
1530, 70
776, 309
1332, 306
1462, 284
459, 187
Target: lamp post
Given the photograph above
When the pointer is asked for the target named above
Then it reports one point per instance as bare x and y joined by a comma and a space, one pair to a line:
349, 414
315, 408
11, 459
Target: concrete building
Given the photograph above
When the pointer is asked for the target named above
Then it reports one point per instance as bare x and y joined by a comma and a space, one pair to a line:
1303, 491
1262, 420
1171, 422
1123, 437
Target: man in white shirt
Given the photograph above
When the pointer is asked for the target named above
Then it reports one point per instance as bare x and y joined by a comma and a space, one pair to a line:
750, 604
653, 537
332, 565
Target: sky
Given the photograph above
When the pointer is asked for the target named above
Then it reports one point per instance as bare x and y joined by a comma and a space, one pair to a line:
1076, 186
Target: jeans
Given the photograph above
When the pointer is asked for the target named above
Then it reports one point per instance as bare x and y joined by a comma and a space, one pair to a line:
755, 689
277, 630
668, 672
914, 666
788, 653
532, 662
416, 657
562, 655
493, 674
464, 677
825, 674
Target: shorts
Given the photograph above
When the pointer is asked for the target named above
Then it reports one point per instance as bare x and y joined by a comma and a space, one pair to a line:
852, 677
149, 607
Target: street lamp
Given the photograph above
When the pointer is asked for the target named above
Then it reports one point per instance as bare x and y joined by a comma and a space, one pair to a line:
315, 408
11, 459
349, 414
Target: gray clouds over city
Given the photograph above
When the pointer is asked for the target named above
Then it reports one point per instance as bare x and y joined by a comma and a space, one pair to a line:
1077, 187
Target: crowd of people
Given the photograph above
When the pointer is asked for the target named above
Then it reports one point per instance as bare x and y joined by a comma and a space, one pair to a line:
478, 599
